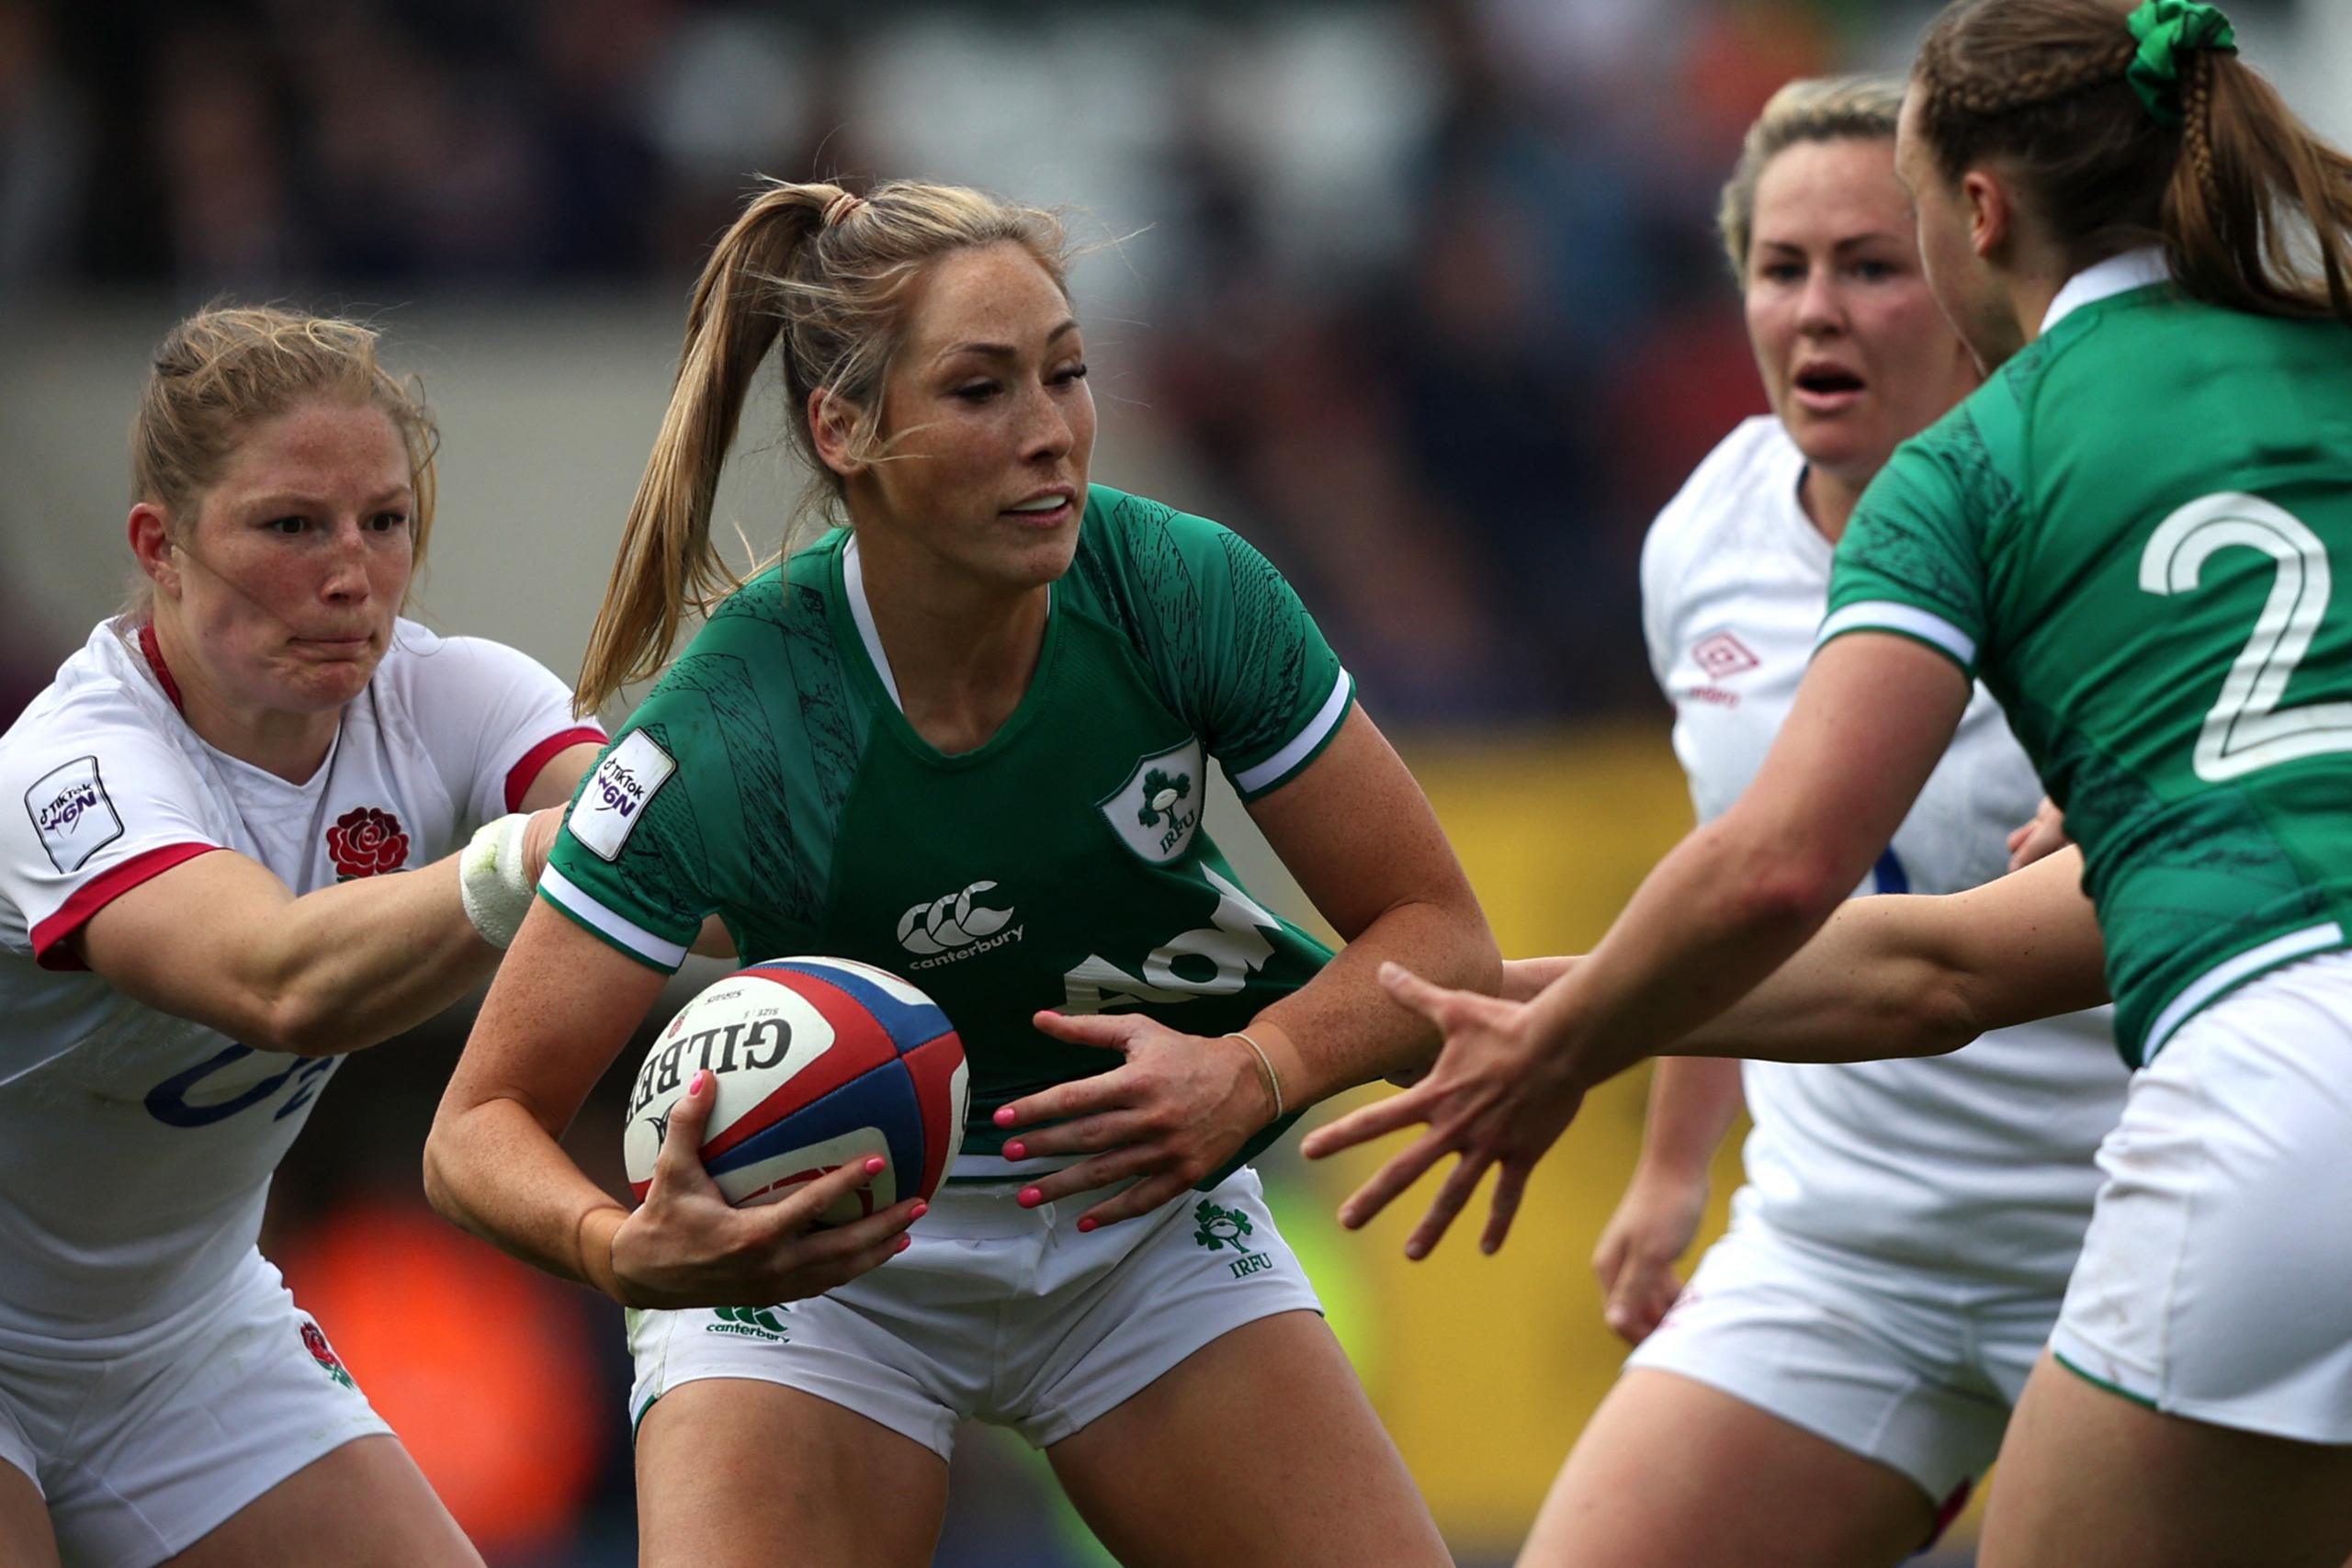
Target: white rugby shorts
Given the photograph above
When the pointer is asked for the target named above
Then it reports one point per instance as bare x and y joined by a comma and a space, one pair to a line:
1000, 1313
2216, 1281
1916, 1371
144, 1443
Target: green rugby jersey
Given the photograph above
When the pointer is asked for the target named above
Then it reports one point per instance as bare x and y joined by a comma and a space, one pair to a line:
2128, 531
770, 778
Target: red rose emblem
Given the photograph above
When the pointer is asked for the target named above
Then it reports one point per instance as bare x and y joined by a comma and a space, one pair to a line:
323, 1353
367, 841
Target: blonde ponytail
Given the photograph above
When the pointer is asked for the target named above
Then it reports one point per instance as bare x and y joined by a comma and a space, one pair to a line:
666, 560
827, 272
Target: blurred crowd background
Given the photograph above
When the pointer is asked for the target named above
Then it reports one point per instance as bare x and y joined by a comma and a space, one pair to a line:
1422, 297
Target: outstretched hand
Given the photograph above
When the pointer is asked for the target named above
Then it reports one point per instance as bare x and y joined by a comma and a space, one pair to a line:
1178, 1108
1499, 1095
687, 1246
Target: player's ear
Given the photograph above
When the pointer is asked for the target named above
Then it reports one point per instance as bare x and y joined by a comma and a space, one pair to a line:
1992, 212
151, 545
832, 423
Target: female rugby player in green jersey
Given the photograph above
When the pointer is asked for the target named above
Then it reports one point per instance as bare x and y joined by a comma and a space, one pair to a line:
2128, 532
965, 739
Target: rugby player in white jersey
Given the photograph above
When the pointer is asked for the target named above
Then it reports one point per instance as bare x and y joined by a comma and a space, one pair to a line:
1841, 1366
199, 823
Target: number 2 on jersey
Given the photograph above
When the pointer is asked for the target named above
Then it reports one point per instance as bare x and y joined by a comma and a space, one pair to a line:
2246, 728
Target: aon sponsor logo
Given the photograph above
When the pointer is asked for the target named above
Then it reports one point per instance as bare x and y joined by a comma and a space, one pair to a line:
1217, 959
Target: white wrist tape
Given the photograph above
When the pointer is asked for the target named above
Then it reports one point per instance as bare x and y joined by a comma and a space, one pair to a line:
491, 881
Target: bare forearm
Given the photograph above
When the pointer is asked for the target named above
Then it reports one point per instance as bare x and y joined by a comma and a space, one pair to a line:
356, 964
1880, 978
1740, 895
563, 1006
222, 942
1694, 1102
1341, 1029
1915, 975
1713, 918
1868, 986
493, 1171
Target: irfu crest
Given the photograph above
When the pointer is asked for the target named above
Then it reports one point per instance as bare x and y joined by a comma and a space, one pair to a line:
1220, 1227
1157, 808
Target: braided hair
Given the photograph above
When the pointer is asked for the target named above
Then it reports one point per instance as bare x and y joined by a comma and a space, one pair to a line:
2231, 192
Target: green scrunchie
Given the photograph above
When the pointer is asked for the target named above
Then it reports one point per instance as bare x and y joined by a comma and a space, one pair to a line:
2166, 31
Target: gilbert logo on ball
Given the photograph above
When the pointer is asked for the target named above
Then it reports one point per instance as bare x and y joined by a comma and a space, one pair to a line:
818, 1062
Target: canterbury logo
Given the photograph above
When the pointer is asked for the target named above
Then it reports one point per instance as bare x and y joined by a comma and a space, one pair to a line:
950, 922
758, 1317
756, 1323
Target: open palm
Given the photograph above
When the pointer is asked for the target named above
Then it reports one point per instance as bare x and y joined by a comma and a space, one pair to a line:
1498, 1094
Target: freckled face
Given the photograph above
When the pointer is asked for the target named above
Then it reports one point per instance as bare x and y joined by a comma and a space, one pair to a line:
285, 589
1856, 356
987, 423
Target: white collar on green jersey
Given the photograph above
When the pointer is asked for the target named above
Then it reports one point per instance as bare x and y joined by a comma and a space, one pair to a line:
2116, 274
853, 583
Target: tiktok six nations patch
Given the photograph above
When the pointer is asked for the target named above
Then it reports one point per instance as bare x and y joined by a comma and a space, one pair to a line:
628, 778
71, 814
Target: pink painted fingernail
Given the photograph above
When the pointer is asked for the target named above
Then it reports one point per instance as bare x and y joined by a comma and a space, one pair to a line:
1004, 1116
918, 1211
1016, 1150
905, 1242
1030, 1197
695, 1087
1088, 1222
875, 1164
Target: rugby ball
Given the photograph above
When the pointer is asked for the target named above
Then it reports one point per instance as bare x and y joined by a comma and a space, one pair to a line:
820, 1062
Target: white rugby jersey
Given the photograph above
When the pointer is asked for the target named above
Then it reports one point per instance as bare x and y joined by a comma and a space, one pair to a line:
135, 1147
1979, 1162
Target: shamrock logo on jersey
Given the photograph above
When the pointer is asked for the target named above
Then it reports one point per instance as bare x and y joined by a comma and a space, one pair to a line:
1161, 795
1158, 806
1220, 1227
366, 840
